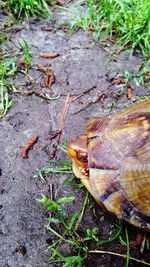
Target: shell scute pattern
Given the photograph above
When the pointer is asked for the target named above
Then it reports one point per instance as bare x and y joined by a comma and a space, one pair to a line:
118, 162
122, 144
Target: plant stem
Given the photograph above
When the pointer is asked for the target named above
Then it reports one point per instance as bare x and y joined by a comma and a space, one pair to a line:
117, 254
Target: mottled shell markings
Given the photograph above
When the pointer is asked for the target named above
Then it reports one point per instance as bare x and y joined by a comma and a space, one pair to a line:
118, 163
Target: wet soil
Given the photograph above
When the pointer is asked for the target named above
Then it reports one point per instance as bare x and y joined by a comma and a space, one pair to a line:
80, 69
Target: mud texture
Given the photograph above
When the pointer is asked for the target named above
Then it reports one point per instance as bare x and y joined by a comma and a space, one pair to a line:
80, 68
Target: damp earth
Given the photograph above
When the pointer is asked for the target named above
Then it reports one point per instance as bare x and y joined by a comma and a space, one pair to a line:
83, 71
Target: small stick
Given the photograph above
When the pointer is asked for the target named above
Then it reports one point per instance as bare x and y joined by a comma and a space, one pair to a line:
63, 117
29, 144
111, 41
129, 92
83, 93
119, 80
49, 79
99, 98
33, 92
143, 244
105, 49
51, 191
46, 55
117, 254
59, 3
121, 48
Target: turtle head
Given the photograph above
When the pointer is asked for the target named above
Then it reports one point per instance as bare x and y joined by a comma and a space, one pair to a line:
77, 150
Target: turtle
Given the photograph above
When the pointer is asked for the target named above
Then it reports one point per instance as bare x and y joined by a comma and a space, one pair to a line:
112, 159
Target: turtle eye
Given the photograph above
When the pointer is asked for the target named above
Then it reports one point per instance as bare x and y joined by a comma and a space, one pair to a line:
82, 157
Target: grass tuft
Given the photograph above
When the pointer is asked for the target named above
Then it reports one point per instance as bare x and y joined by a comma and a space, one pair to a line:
65, 227
8, 69
27, 8
126, 22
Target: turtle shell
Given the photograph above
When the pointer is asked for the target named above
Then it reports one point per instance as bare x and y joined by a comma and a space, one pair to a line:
119, 163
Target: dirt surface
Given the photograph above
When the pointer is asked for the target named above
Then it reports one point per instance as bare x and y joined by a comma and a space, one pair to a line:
80, 68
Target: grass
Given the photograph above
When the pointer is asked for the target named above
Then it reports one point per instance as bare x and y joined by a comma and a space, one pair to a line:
64, 226
68, 236
127, 23
5, 102
26, 58
8, 69
140, 78
27, 55
27, 8
119, 255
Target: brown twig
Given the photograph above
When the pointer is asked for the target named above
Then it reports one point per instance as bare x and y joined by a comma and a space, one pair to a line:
59, 3
143, 244
117, 254
111, 41
33, 92
129, 92
82, 94
99, 98
29, 144
14, 29
105, 49
119, 80
121, 48
46, 55
49, 79
63, 117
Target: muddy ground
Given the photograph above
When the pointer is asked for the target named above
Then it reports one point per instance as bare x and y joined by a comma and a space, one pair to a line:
80, 67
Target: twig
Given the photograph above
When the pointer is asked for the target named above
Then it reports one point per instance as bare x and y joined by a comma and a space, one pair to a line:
49, 79
33, 92
63, 117
59, 3
121, 48
143, 244
50, 190
129, 92
121, 80
105, 49
29, 144
83, 93
117, 254
99, 98
46, 55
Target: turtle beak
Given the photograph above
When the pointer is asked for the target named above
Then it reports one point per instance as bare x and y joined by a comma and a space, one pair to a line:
78, 171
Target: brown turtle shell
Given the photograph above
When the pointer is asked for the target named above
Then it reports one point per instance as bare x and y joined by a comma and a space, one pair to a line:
119, 163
